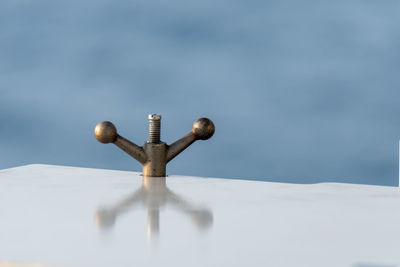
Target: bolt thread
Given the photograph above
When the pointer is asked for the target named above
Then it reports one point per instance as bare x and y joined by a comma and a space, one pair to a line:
154, 128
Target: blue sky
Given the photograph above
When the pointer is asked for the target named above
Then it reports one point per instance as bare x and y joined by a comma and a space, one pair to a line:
299, 91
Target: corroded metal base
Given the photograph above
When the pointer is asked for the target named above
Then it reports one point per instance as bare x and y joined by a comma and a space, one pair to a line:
156, 164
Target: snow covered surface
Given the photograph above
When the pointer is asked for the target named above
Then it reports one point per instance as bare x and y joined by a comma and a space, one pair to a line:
77, 217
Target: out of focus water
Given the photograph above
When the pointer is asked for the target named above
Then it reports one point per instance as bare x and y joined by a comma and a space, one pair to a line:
300, 91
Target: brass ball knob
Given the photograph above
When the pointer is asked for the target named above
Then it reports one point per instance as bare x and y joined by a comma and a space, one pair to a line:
203, 128
105, 132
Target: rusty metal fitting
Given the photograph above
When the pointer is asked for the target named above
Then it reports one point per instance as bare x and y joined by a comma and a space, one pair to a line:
154, 155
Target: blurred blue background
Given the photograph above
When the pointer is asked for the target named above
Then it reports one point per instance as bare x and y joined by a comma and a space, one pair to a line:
299, 91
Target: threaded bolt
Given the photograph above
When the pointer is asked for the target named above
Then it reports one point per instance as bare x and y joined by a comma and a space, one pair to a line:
154, 128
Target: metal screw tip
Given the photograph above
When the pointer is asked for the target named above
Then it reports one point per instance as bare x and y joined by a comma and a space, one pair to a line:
154, 117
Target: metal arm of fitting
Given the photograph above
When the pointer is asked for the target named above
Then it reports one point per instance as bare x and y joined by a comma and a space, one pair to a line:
131, 149
106, 132
179, 145
202, 129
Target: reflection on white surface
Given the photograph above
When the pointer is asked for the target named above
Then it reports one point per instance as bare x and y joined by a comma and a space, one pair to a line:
153, 194
47, 218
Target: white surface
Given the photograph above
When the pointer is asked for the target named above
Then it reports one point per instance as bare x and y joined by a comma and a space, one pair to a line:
50, 216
